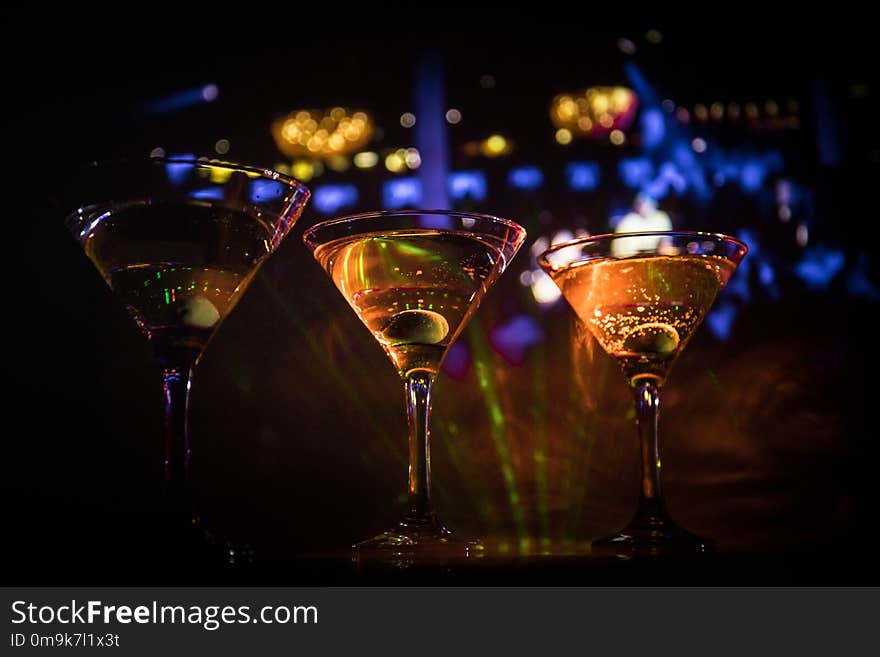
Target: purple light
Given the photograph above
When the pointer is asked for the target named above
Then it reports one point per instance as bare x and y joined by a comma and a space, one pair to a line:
457, 362
210, 93
513, 338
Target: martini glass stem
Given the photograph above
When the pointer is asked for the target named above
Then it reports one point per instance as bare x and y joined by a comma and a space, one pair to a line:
177, 365
176, 385
646, 394
418, 412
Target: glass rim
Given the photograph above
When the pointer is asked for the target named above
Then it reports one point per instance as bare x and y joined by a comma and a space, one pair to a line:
299, 195
376, 214
578, 241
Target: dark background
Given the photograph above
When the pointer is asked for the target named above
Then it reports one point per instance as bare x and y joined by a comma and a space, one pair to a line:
297, 418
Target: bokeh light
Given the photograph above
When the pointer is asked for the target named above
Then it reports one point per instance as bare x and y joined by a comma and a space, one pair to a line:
594, 112
322, 133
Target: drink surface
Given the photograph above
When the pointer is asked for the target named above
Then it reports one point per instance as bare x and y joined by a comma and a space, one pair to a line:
174, 300
644, 310
180, 267
414, 289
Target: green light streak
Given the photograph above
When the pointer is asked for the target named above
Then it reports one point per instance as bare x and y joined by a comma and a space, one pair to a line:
350, 395
451, 437
583, 425
655, 275
412, 249
167, 298
362, 274
537, 360
482, 362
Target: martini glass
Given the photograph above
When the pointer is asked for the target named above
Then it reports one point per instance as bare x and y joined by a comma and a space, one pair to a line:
414, 278
178, 241
643, 296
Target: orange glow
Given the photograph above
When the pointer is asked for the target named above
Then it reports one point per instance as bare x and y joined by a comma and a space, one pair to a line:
594, 112
322, 134
495, 146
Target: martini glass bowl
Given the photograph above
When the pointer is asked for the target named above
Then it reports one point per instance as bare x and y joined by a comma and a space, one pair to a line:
643, 296
414, 278
178, 241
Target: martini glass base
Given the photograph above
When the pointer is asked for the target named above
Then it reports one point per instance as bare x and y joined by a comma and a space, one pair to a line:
419, 539
652, 535
182, 531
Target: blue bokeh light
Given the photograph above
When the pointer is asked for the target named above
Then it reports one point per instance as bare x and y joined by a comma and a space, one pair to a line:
401, 193
331, 198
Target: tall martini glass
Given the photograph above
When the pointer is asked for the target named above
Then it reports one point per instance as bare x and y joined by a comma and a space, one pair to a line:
414, 278
643, 296
178, 241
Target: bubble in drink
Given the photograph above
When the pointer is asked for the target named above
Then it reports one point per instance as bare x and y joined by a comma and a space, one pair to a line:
416, 327
652, 338
199, 312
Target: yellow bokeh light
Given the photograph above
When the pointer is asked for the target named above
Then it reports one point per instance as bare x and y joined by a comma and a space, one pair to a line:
339, 163
322, 133
303, 170
494, 146
600, 103
594, 111
617, 137
620, 98
563, 136
395, 163
220, 175
336, 142
567, 108
366, 160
